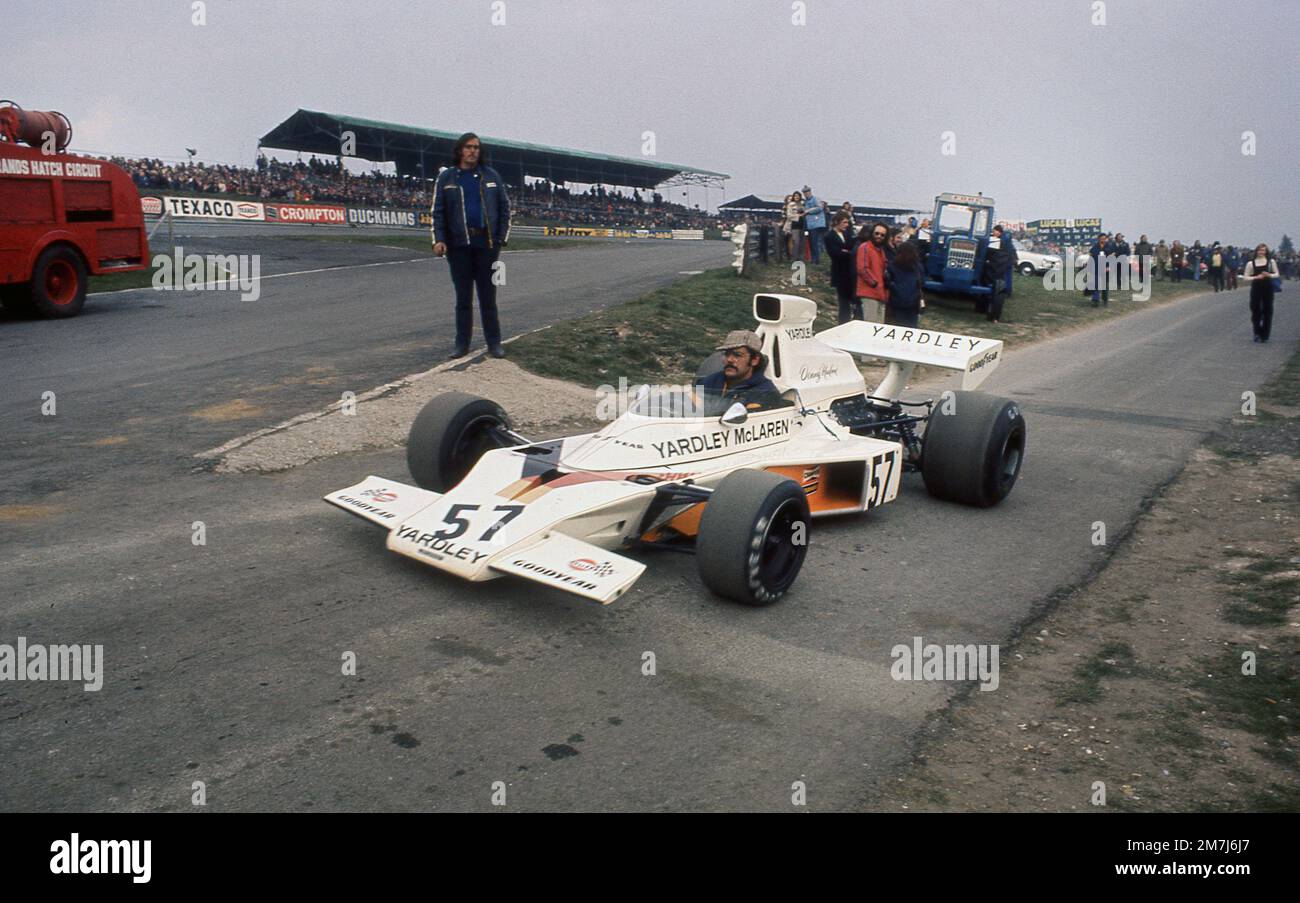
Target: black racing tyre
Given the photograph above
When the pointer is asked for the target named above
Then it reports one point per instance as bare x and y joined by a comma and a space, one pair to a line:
1026, 269
16, 298
448, 437
58, 287
973, 454
753, 537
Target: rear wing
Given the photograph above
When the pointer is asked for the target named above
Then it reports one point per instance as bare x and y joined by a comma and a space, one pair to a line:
976, 358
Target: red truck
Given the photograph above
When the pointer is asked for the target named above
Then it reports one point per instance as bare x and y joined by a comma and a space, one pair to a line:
62, 217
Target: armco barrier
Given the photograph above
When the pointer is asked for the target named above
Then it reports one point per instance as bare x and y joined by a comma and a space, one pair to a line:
201, 207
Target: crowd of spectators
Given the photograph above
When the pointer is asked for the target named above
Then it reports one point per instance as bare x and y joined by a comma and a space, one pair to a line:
322, 181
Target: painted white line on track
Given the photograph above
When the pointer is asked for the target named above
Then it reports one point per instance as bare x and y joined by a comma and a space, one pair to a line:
350, 266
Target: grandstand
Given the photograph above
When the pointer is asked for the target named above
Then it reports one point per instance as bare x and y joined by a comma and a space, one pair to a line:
421, 152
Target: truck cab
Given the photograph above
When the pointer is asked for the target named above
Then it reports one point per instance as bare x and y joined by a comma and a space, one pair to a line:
959, 245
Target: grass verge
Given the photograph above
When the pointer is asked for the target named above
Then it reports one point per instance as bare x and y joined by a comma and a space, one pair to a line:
661, 337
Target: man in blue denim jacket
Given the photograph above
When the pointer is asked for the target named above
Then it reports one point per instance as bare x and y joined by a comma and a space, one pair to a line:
471, 223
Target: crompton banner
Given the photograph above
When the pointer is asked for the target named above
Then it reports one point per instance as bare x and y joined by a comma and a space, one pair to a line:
305, 213
214, 208
372, 216
1065, 231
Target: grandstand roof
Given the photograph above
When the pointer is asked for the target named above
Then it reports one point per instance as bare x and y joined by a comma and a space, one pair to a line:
753, 203
415, 149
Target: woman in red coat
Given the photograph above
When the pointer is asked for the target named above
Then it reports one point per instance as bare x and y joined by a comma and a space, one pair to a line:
870, 267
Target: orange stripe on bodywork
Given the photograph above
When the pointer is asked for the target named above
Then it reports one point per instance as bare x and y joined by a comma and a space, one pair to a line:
812, 479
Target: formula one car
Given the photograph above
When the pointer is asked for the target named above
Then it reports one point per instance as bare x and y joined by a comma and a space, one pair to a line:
734, 483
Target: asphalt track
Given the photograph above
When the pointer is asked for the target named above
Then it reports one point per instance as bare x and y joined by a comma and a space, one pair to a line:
223, 660
156, 376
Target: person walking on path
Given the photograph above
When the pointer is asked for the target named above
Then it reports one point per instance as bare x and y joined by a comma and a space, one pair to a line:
1216, 261
1260, 272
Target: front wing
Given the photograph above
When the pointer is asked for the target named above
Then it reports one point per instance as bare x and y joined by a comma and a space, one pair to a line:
550, 558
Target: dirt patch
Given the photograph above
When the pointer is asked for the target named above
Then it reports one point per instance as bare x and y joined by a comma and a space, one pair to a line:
17, 514
1139, 680
537, 406
108, 441
235, 409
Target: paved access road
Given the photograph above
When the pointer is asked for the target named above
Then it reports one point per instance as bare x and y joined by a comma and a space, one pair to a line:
224, 661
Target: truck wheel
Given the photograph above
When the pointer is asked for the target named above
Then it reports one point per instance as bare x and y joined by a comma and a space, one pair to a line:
59, 283
17, 299
1026, 269
448, 437
973, 454
753, 537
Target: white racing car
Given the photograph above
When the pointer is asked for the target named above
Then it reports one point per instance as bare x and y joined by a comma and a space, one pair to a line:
737, 486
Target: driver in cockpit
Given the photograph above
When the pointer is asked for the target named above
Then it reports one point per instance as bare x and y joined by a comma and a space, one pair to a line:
741, 378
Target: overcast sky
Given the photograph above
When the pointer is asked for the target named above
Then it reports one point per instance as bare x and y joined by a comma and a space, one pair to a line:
1139, 120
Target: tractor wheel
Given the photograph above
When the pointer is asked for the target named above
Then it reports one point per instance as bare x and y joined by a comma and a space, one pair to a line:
448, 437
753, 537
973, 454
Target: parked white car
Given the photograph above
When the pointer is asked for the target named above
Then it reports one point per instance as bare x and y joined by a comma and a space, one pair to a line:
1030, 263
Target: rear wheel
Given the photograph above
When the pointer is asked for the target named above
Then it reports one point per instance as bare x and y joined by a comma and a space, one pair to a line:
973, 453
753, 537
58, 287
448, 437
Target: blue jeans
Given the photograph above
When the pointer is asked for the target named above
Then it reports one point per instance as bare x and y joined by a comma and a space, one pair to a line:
815, 236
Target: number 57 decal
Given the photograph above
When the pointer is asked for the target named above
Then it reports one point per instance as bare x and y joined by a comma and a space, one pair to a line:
878, 487
461, 524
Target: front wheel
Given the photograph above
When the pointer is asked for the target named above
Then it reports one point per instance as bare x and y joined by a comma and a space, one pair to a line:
1026, 269
973, 449
449, 435
753, 537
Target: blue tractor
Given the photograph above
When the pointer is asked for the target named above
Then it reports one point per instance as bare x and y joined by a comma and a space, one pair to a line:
957, 246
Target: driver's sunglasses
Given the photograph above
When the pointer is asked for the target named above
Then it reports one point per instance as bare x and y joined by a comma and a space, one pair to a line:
736, 352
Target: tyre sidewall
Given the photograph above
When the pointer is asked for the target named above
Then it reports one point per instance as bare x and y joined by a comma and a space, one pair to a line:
962, 454
436, 433
729, 544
